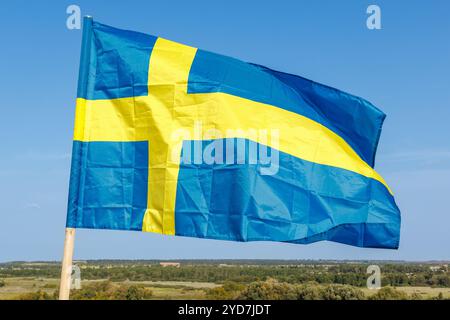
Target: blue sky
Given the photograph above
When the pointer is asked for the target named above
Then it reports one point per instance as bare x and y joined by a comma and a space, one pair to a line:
404, 69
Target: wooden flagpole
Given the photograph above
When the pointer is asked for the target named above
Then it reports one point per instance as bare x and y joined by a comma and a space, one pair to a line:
66, 270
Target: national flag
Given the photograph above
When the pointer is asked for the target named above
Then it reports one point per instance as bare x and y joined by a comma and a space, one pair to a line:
176, 140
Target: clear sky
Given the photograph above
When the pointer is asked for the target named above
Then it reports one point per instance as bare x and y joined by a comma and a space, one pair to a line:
404, 69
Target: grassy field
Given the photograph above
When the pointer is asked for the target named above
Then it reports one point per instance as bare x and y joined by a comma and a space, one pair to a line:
17, 286
14, 287
427, 292
424, 292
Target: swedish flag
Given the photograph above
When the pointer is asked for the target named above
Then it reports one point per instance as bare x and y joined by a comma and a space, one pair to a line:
175, 140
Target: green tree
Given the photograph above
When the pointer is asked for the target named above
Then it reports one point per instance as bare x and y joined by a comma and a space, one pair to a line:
341, 292
389, 293
132, 293
308, 292
268, 290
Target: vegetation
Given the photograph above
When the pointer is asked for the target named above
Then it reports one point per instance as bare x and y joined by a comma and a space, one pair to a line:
228, 291
274, 290
103, 290
294, 272
253, 280
38, 295
106, 290
389, 293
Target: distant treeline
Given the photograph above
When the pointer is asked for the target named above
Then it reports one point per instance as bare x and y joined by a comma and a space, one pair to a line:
354, 274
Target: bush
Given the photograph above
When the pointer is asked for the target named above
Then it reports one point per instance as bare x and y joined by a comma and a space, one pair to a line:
341, 292
389, 293
132, 292
38, 295
268, 290
106, 290
228, 291
2, 283
440, 296
308, 292
274, 290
